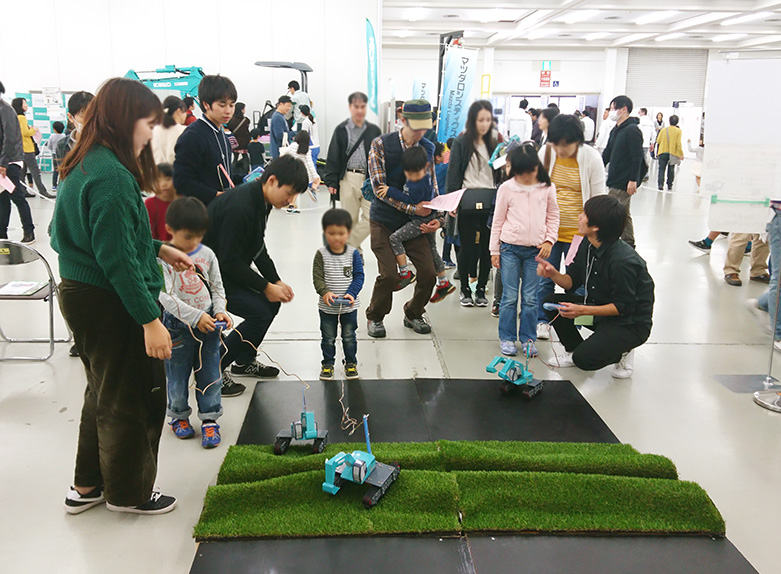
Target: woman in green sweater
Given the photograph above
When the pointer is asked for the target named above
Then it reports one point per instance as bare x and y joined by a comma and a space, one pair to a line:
108, 295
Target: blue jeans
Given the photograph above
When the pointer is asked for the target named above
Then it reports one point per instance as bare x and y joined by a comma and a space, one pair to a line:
517, 265
328, 327
315, 154
768, 301
557, 254
187, 355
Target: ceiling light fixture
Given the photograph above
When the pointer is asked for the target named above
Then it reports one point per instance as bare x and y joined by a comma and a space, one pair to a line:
416, 14
579, 16
746, 18
673, 36
403, 33
631, 38
451, 16
596, 36
655, 17
701, 19
728, 37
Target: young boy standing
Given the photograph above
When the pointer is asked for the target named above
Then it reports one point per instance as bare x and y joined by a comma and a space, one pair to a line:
255, 149
157, 205
338, 273
418, 188
193, 301
202, 161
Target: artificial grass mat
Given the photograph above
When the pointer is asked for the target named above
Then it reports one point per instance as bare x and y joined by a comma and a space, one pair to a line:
451, 488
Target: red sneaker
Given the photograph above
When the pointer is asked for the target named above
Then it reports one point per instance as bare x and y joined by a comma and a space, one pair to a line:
405, 279
442, 291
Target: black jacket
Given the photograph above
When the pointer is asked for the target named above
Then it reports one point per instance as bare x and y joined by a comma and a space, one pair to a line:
458, 164
10, 136
619, 276
624, 153
237, 230
199, 150
336, 163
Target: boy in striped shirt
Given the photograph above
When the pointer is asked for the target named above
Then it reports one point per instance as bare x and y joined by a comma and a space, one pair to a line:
338, 273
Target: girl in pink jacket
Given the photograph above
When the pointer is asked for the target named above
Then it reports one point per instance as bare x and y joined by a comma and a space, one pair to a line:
525, 225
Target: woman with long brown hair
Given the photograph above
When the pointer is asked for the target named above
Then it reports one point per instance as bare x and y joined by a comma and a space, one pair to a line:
109, 292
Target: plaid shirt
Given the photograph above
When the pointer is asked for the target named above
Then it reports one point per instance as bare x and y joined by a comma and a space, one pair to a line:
379, 176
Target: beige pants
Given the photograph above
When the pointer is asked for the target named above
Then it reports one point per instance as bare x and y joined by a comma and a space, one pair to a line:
353, 202
760, 251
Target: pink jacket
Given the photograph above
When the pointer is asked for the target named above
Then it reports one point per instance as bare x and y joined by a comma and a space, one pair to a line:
525, 215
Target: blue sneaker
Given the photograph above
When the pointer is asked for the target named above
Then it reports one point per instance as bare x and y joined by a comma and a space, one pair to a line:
529, 350
182, 428
210, 435
449, 264
508, 348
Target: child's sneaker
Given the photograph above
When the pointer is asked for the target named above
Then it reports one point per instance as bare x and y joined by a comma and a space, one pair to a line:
312, 193
442, 291
350, 371
495, 309
182, 428
76, 503
508, 348
210, 435
543, 331
405, 278
529, 350
327, 373
449, 264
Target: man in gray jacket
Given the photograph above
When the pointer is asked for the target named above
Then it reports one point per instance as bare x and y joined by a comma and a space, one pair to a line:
11, 161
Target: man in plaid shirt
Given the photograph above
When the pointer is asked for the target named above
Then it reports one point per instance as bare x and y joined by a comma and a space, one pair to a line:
388, 215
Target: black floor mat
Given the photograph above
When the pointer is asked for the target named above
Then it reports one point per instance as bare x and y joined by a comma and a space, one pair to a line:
454, 409
426, 410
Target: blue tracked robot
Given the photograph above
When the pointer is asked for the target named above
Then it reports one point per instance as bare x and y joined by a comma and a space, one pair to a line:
305, 429
515, 376
360, 467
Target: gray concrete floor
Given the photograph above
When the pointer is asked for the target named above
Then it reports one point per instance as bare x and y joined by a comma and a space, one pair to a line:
671, 406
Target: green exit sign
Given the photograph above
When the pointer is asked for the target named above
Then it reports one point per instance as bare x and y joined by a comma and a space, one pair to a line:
546, 65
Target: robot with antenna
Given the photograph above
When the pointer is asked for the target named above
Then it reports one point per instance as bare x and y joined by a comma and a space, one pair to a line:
305, 429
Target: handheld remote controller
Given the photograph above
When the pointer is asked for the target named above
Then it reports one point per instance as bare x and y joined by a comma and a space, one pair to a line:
552, 307
221, 324
340, 302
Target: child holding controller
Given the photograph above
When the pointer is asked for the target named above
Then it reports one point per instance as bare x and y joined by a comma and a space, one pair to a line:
418, 188
525, 226
338, 278
194, 300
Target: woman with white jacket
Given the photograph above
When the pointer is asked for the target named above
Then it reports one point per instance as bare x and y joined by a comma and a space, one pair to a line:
578, 173
164, 136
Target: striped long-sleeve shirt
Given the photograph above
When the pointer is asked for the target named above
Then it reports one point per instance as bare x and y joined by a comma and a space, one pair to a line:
341, 274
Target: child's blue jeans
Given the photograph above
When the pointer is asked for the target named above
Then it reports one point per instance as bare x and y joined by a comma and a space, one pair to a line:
328, 327
188, 355
517, 265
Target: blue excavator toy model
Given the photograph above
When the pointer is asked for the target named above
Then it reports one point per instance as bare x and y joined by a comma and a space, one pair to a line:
515, 375
305, 429
360, 467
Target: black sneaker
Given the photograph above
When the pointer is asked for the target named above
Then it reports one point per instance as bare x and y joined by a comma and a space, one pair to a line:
158, 504
480, 298
376, 329
76, 503
230, 388
466, 300
419, 325
47, 194
255, 369
28, 238
351, 371
701, 245
495, 309
73, 351
326, 372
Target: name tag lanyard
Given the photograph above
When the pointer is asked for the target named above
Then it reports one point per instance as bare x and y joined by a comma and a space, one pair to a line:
221, 166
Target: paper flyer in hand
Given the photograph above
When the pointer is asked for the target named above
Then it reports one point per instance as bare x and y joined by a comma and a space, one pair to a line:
447, 202
6, 184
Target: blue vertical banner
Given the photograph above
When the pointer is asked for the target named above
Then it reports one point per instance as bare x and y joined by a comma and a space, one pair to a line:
371, 67
459, 78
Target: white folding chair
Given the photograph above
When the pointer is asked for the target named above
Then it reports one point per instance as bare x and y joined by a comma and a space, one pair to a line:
13, 253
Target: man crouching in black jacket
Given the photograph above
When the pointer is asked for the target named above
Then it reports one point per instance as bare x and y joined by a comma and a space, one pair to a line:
237, 236
619, 300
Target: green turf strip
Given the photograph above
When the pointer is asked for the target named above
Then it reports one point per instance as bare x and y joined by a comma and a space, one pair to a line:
422, 502
258, 462
552, 502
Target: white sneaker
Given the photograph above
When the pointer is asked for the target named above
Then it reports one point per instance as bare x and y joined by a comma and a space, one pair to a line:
563, 360
543, 331
761, 316
624, 368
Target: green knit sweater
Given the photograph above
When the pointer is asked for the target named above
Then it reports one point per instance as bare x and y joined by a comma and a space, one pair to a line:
102, 234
